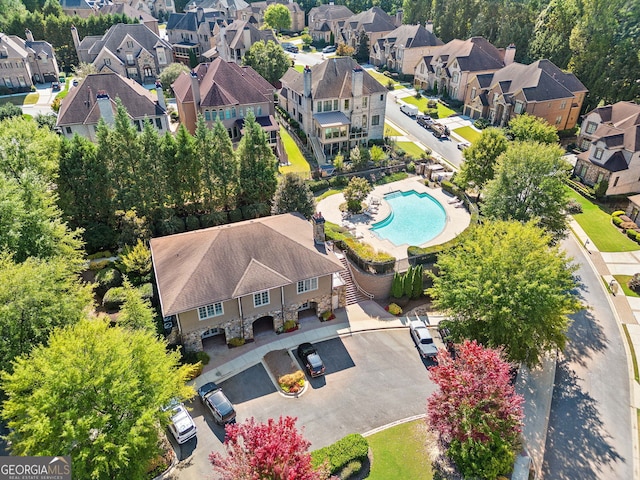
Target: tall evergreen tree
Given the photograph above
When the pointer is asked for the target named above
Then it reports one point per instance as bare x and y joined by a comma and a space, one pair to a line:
188, 166
293, 195
153, 175
224, 168
258, 165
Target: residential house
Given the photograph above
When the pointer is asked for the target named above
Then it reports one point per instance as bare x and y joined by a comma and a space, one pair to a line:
224, 91
254, 13
26, 62
325, 20
124, 9
375, 23
191, 33
235, 279
610, 138
95, 98
540, 89
337, 103
160, 9
403, 48
451, 68
228, 8
81, 8
233, 41
131, 50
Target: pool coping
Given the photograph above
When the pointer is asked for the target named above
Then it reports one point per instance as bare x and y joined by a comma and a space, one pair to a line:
457, 219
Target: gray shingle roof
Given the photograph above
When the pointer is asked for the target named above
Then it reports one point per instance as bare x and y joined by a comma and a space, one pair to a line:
224, 83
113, 38
80, 106
331, 79
412, 36
128, 10
373, 20
473, 55
329, 12
215, 264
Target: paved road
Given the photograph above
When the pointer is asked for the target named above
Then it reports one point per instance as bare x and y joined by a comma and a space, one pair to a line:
446, 148
589, 434
372, 379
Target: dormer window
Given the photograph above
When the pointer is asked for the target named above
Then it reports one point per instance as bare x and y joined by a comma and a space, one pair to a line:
591, 127
598, 154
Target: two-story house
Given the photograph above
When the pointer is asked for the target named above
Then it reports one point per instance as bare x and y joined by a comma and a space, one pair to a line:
124, 9
324, 20
95, 98
233, 41
254, 13
374, 23
230, 280
540, 89
452, 66
131, 50
228, 8
610, 138
26, 62
403, 48
337, 103
191, 33
224, 91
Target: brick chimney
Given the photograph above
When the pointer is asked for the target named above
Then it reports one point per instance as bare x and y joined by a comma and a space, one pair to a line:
106, 109
428, 25
28, 35
357, 79
307, 81
318, 228
399, 17
195, 89
76, 38
161, 103
509, 55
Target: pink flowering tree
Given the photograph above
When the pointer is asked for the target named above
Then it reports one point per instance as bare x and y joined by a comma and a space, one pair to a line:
275, 450
476, 412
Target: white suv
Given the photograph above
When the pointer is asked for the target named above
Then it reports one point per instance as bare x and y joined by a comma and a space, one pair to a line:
181, 424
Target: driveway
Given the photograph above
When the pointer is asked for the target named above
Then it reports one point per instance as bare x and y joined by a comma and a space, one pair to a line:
371, 379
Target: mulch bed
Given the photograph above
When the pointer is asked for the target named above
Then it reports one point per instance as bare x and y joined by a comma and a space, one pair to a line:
279, 363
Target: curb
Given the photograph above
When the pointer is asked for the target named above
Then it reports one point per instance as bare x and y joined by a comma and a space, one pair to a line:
393, 424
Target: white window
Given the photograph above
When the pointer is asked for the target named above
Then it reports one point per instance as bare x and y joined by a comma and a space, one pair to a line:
308, 285
130, 59
375, 120
208, 311
456, 77
162, 58
598, 154
422, 68
261, 298
558, 119
473, 93
364, 102
107, 61
519, 108
563, 105
591, 127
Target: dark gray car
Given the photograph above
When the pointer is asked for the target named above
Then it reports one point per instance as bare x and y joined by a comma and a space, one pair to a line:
217, 402
312, 361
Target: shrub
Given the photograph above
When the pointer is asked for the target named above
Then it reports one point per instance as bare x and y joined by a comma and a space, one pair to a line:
573, 206
627, 225
432, 112
106, 279
600, 188
352, 468
617, 213
339, 181
195, 357
213, 219
104, 254
418, 95
395, 309
236, 342
235, 215
192, 223
338, 455
481, 123
411, 167
146, 291
99, 265
289, 325
632, 234
113, 298
432, 104
451, 188
634, 283
292, 382
617, 221
316, 186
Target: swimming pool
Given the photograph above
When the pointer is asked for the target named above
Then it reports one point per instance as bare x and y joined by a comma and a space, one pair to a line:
415, 218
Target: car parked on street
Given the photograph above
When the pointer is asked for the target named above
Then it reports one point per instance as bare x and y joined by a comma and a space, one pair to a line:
289, 47
181, 424
463, 145
311, 359
422, 338
329, 49
424, 121
55, 86
217, 402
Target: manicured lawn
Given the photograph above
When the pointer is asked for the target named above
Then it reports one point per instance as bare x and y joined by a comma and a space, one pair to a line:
16, 99
389, 131
443, 112
399, 452
383, 79
328, 193
622, 281
298, 163
65, 91
470, 134
597, 225
32, 98
411, 148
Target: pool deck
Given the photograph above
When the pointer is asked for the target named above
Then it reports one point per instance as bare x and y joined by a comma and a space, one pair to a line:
457, 221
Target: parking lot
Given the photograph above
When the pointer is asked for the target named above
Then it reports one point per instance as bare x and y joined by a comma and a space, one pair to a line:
371, 379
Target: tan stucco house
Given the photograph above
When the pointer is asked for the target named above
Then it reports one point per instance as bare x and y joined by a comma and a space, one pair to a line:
226, 280
403, 48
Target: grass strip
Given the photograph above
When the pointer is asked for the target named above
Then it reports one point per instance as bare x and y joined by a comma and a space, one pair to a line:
633, 353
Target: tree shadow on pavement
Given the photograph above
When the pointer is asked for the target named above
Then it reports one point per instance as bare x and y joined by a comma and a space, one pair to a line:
586, 337
580, 448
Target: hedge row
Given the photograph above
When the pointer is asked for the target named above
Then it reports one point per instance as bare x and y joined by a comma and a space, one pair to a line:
338, 455
114, 298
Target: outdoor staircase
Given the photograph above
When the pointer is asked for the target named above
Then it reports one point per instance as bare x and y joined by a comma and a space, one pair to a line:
353, 294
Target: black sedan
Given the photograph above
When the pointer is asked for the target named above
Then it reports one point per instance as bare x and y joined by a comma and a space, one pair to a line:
312, 361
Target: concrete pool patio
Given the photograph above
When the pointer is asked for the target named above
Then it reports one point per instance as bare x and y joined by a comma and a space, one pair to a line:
458, 219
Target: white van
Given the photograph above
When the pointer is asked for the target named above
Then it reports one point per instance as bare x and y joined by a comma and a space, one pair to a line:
410, 110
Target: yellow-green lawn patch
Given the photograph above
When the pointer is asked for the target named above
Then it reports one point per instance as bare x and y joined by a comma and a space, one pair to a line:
383, 79
470, 134
32, 98
389, 131
411, 148
622, 281
298, 164
298, 68
421, 103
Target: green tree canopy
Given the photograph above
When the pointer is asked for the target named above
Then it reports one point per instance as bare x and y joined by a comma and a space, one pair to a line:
278, 17
171, 73
529, 186
268, 59
293, 195
526, 127
505, 285
356, 192
94, 393
136, 312
480, 158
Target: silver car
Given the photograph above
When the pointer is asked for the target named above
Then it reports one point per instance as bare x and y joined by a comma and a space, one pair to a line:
422, 338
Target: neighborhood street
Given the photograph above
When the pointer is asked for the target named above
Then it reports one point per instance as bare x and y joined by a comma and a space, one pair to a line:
589, 435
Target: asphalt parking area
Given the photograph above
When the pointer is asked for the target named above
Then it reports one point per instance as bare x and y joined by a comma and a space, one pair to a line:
371, 379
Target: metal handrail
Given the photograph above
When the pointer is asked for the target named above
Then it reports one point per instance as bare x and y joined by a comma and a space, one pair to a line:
370, 296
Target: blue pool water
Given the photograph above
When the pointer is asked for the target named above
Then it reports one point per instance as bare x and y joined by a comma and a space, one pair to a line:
415, 218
